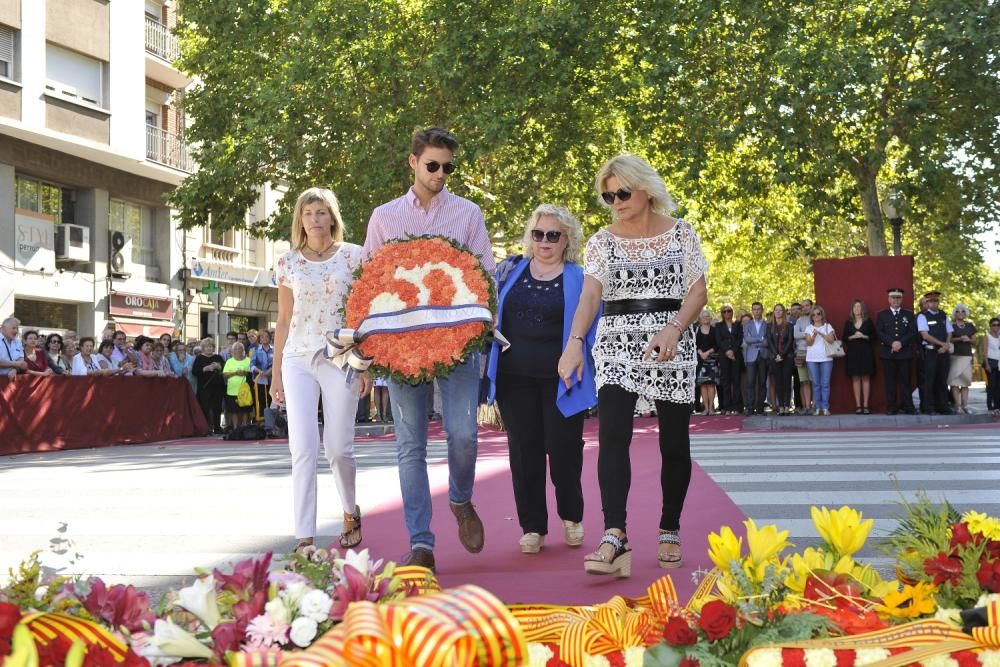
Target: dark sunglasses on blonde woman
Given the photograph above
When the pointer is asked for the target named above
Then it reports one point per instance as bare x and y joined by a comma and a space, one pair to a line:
621, 193
433, 166
551, 237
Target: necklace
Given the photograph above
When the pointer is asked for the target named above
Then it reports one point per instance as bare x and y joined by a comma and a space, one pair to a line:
545, 275
323, 251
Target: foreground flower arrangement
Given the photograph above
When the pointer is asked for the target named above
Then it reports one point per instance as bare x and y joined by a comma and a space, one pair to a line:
759, 607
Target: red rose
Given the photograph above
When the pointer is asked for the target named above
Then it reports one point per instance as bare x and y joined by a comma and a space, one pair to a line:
679, 633
793, 657
616, 659
966, 659
845, 657
689, 662
10, 616
944, 569
717, 619
989, 575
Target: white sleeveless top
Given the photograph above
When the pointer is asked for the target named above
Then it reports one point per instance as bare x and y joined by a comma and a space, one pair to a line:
992, 347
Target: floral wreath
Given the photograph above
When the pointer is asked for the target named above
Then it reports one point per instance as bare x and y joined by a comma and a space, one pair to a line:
416, 310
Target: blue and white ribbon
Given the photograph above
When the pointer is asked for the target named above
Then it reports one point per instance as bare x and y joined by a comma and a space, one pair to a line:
341, 348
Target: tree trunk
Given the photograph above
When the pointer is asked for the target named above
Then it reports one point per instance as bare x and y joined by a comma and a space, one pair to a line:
868, 190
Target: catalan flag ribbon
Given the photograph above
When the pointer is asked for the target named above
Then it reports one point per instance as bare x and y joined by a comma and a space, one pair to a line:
463, 626
924, 639
613, 626
47, 626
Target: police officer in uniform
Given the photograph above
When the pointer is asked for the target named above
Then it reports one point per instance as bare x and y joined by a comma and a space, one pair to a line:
896, 329
935, 331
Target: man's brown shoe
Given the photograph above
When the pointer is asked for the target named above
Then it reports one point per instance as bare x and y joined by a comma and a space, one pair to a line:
420, 556
470, 528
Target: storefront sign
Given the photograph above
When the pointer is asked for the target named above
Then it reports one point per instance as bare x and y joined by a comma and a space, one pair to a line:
34, 241
138, 305
206, 269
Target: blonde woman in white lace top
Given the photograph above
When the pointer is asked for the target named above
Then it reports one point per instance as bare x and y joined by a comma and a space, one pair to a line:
648, 269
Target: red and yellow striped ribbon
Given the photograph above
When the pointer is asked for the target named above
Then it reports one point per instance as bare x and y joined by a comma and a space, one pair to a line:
606, 628
463, 626
46, 626
925, 639
261, 658
420, 577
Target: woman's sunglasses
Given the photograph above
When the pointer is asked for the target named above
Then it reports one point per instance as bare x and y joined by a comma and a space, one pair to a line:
433, 166
622, 194
552, 237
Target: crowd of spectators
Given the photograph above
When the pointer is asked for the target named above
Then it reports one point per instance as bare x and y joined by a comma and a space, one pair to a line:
781, 361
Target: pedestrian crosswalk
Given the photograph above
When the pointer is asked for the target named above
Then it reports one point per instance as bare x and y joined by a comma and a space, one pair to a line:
776, 477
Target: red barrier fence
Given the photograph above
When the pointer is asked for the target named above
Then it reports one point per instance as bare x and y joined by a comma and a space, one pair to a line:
48, 413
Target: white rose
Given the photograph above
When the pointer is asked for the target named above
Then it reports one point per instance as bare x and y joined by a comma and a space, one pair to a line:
635, 656
952, 617
989, 658
316, 605
539, 654
940, 661
595, 661
820, 657
867, 656
765, 657
294, 591
303, 631
278, 612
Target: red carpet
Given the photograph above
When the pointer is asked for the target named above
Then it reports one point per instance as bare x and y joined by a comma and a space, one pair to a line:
556, 574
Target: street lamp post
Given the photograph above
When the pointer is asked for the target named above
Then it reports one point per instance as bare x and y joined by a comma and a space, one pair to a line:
892, 212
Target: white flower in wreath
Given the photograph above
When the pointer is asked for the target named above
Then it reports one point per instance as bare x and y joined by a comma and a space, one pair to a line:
595, 661
539, 654
986, 598
199, 599
316, 605
940, 661
765, 657
635, 656
277, 612
989, 658
293, 592
303, 631
867, 656
820, 657
952, 617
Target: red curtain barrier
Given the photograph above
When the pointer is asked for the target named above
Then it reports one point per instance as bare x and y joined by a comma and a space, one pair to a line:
48, 413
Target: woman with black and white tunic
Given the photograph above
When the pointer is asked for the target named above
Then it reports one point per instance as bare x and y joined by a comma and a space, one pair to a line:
648, 269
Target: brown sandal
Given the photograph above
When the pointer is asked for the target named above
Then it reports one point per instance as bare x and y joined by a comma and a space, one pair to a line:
303, 544
669, 555
351, 532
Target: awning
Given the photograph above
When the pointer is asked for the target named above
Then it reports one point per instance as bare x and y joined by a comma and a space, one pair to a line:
139, 327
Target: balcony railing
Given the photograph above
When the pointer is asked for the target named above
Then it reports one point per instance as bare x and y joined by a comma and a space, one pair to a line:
168, 148
160, 41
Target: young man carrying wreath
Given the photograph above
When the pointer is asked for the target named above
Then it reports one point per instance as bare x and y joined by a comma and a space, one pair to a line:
428, 208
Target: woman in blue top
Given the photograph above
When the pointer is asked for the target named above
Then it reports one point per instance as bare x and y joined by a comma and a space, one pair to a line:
182, 364
537, 296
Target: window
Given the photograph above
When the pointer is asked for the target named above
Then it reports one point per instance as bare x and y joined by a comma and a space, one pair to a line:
74, 75
135, 222
222, 237
45, 314
41, 197
6, 52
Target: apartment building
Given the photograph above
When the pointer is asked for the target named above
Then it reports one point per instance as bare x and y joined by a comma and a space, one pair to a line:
91, 141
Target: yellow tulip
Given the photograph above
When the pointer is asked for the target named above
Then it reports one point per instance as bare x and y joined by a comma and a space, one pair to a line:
804, 564
725, 548
843, 530
765, 543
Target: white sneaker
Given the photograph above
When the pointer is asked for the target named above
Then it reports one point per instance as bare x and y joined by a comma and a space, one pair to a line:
531, 543
573, 532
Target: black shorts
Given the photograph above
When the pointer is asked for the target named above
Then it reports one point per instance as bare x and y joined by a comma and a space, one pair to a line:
232, 406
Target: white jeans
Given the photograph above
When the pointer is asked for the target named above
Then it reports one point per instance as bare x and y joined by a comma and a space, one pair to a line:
304, 383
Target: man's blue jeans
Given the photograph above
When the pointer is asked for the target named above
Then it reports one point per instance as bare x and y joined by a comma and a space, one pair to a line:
460, 403
820, 372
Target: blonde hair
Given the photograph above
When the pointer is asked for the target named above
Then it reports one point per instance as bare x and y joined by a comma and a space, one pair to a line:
570, 225
960, 308
207, 341
311, 196
634, 173
822, 312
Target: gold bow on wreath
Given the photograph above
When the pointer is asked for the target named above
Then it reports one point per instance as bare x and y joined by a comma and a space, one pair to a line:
459, 627
925, 639
606, 628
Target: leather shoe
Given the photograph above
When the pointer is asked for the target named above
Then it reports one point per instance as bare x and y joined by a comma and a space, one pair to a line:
470, 527
420, 556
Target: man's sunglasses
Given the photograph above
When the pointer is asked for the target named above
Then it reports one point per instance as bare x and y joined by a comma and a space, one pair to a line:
622, 194
551, 237
433, 166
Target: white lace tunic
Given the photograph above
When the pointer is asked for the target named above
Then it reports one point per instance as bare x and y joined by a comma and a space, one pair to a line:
319, 290
660, 267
